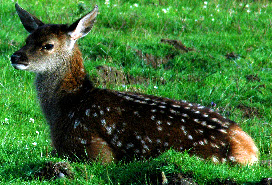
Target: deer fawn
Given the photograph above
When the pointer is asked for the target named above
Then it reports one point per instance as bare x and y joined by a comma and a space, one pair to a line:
87, 122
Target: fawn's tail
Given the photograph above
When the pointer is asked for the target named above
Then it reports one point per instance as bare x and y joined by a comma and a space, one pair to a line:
242, 148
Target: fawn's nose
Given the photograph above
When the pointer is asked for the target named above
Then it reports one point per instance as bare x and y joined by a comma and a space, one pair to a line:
15, 58
19, 61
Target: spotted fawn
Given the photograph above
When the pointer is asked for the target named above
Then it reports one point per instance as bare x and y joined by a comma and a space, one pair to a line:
88, 123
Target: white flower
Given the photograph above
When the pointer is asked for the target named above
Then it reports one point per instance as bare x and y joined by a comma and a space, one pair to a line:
205, 2
204, 6
31, 120
37, 132
155, 87
248, 11
107, 2
136, 5
35, 144
247, 5
6, 119
212, 19
164, 10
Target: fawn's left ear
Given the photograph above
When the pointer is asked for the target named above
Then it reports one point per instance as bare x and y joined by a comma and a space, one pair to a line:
30, 22
83, 26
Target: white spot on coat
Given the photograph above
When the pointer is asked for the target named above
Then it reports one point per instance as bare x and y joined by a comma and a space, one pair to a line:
77, 122
128, 98
176, 106
215, 159
203, 123
174, 112
109, 130
223, 131
211, 126
205, 115
103, 122
129, 145
71, 115
88, 112
148, 139
196, 120
145, 147
214, 145
159, 122
184, 115
83, 141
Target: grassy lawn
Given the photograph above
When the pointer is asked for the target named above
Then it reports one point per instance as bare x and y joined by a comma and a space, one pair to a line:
219, 56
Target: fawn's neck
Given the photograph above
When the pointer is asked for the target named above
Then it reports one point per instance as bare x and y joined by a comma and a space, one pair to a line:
56, 86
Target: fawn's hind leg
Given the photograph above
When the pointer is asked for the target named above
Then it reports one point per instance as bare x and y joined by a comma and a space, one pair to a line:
99, 149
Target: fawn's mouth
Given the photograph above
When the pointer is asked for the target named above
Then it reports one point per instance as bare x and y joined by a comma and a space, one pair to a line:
20, 66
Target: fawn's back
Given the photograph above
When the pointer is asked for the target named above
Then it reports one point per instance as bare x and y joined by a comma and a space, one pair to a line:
87, 122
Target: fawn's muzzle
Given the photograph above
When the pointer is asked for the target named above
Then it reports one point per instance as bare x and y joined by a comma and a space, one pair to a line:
19, 61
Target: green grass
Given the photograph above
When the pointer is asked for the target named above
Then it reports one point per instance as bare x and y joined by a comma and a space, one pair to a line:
203, 76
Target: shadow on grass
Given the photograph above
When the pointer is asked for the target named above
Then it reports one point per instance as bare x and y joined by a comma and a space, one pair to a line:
153, 171
24, 171
160, 171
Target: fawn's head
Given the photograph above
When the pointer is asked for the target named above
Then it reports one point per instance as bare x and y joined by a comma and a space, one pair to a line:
49, 46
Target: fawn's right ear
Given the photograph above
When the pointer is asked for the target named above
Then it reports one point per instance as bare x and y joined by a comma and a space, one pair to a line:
30, 22
84, 25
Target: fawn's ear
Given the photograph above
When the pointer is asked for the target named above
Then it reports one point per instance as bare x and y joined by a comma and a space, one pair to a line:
84, 25
29, 21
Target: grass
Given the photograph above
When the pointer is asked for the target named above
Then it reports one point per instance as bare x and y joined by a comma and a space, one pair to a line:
230, 66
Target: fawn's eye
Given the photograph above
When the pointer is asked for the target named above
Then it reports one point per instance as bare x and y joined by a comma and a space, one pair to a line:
48, 47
